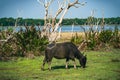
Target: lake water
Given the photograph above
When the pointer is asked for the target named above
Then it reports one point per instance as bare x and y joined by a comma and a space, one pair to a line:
78, 28
70, 28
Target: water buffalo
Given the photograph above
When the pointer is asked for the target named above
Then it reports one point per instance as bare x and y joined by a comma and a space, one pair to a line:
66, 50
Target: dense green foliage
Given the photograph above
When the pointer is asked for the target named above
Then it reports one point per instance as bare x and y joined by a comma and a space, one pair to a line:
99, 40
100, 66
96, 39
76, 39
76, 21
30, 40
105, 36
23, 43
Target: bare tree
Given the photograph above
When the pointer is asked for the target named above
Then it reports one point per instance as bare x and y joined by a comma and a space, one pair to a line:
46, 5
63, 7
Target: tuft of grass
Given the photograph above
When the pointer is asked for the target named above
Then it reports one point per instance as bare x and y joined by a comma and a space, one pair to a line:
99, 67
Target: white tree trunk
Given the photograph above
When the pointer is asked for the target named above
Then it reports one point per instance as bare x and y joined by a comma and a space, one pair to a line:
63, 7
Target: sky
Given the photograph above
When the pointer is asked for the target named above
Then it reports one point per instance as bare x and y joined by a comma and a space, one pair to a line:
32, 9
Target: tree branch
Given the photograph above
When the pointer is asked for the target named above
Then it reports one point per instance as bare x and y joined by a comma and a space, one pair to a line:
63, 8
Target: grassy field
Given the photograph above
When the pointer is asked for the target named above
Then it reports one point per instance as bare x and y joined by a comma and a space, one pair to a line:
100, 66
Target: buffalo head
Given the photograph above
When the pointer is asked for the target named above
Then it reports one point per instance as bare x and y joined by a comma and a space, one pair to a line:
83, 61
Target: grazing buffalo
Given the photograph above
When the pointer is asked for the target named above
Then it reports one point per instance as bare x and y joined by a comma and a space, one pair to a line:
66, 50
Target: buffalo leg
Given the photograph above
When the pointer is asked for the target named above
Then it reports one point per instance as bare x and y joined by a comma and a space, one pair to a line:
66, 63
49, 64
44, 61
74, 63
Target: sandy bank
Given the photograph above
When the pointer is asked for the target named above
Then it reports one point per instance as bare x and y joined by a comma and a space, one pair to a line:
66, 36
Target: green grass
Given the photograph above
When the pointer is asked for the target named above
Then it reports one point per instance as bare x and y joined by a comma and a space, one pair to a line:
100, 66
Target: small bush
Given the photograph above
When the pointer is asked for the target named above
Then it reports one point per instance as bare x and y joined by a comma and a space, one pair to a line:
92, 40
106, 36
76, 39
116, 38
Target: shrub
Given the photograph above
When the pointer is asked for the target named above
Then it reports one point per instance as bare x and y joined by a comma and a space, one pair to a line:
105, 36
23, 43
116, 38
76, 39
30, 40
92, 40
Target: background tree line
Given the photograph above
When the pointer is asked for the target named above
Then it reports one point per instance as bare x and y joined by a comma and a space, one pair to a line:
77, 21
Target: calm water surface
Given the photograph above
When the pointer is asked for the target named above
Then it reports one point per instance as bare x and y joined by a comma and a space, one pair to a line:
70, 28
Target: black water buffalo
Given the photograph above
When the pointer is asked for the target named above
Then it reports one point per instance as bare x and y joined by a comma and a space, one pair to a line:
66, 50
